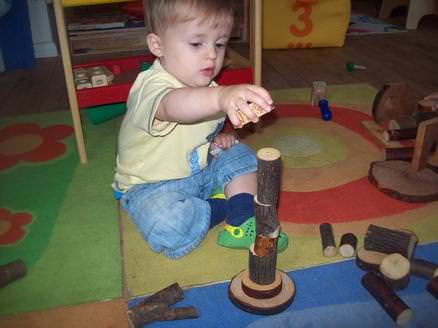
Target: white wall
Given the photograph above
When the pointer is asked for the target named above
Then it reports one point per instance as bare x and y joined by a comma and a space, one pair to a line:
41, 32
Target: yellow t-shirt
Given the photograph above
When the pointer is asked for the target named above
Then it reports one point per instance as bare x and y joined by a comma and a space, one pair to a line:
150, 150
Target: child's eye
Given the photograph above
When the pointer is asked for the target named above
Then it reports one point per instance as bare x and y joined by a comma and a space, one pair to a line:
220, 45
196, 44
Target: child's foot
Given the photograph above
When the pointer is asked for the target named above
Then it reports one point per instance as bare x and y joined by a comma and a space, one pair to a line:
243, 236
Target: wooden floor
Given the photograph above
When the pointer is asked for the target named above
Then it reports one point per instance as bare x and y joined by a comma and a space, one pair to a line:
410, 56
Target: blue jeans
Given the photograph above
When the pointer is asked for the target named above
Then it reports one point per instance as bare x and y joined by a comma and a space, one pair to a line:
174, 216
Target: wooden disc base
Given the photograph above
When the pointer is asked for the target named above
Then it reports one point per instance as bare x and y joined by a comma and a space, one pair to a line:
283, 292
398, 180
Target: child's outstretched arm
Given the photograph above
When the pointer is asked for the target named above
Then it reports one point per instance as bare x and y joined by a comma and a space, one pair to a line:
188, 105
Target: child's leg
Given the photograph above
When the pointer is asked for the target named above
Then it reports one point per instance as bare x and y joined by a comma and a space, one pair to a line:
169, 215
236, 169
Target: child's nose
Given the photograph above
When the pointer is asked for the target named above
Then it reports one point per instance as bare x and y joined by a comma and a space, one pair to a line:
211, 52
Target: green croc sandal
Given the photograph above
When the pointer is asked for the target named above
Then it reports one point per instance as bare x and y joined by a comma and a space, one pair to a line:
243, 236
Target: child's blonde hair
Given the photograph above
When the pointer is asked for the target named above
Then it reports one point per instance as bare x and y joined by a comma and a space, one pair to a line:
160, 14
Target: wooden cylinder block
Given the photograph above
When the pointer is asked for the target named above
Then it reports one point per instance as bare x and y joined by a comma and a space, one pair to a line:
262, 268
327, 240
432, 287
424, 269
268, 176
347, 247
11, 271
390, 241
395, 270
369, 260
398, 310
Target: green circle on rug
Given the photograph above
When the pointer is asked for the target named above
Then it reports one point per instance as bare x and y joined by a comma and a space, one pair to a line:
313, 146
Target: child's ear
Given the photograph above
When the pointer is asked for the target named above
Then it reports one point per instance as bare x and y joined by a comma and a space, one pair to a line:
154, 44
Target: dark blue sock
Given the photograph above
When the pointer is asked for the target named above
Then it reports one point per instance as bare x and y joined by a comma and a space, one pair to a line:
240, 207
218, 210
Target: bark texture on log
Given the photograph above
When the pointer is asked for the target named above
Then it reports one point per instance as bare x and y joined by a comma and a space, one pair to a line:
432, 287
424, 269
390, 241
266, 218
156, 308
11, 271
327, 239
398, 310
262, 268
268, 176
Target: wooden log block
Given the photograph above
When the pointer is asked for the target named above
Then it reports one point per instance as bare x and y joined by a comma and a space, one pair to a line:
401, 134
327, 240
266, 218
395, 269
12, 271
262, 268
399, 180
261, 305
432, 287
423, 268
402, 122
391, 102
398, 310
347, 246
390, 241
258, 291
152, 312
244, 119
398, 153
268, 176
369, 260
156, 308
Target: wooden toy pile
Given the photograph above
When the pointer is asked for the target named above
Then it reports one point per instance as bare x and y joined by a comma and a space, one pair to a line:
387, 256
409, 170
91, 77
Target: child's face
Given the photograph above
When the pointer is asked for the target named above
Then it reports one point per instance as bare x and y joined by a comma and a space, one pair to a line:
194, 51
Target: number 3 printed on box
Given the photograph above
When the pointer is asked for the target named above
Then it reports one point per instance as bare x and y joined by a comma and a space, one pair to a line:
305, 18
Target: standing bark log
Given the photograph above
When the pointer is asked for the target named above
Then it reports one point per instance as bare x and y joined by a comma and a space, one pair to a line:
263, 255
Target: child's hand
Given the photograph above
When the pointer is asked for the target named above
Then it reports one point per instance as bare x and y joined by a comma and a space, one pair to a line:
224, 140
236, 98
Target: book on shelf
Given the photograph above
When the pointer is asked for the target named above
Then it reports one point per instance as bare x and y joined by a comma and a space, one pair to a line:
102, 21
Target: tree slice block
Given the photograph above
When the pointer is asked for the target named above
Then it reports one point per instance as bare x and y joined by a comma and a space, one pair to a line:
397, 179
395, 269
253, 289
369, 260
266, 306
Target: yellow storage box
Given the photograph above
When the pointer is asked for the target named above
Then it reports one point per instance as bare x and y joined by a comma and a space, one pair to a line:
305, 23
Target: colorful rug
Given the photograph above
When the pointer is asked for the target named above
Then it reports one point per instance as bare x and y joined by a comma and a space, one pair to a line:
56, 215
324, 179
364, 25
327, 296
